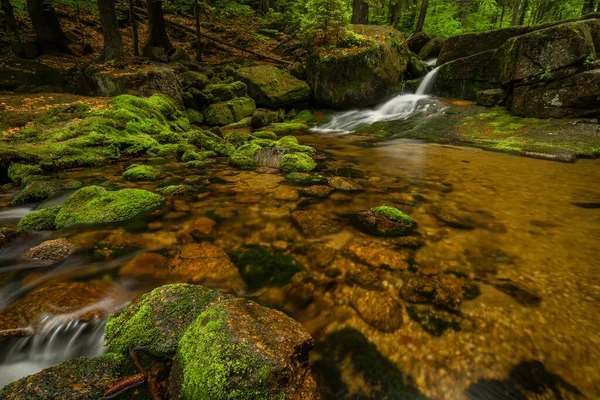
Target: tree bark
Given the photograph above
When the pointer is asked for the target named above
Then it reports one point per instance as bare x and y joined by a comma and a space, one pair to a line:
113, 45
50, 36
422, 15
157, 32
394, 17
11, 22
501, 17
464, 6
134, 29
360, 12
523, 12
264, 6
198, 44
588, 7
515, 16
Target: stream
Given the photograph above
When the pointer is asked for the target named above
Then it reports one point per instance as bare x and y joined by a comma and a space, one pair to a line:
514, 227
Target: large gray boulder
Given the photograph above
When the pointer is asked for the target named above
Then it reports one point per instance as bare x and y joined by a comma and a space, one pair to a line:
272, 87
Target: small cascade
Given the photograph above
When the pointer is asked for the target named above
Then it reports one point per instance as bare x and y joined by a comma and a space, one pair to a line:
56, 341
402, 106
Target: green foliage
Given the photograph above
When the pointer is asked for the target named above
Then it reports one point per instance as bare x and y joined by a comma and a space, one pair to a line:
327, 18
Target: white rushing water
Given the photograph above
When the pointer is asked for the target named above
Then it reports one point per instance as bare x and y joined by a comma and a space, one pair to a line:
399, 107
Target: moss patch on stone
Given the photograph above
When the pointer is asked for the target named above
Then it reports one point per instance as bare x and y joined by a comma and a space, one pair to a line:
297, 162
140, 172
40, 220
243, 157
41, 190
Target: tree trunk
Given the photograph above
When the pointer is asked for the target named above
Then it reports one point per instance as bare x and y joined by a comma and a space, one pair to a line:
134, 30
11, 22
113, 46
394, 17
588, 7
157, 33
360, 12
47, 29
198, 44
523, 12
515, 17
422, 15
464, 6
264, 6
598, 7
501, 17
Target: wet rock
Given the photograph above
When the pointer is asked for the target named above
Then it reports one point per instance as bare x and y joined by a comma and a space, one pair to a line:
217, 93
344, 185
297, 162
54, 250
39, 220
240, 347
202, 228
95, 205
263, 117
6, 236
41, 190
465, 77
261, 267
158, 319
360, 275
313, 224
417, 68
303, 179
384, 221
146, 264
230, 111
417, 41
286, 193
378, 309
523, 296
273, 88
205, 262
319, 191
377, 255
432, 49
78, 379
444, 292
491, 97
433, 322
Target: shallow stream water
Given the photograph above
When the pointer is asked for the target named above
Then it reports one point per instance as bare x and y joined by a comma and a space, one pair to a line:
520, 230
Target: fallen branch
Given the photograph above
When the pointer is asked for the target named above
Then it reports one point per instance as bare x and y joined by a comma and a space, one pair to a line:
286, 41
214, 39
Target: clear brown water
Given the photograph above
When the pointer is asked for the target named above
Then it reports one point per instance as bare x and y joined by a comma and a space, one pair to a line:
523, 230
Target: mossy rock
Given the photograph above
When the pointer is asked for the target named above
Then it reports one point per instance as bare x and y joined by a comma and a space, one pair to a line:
217, 93
384, 221
265, 135
79, 379
228, 112
158, 320
218, 146
17, 171
194, 79
263, 117
301, 179
273, 88
194, 116
243, 157
41, 190
287, 127
297, 162
140, 172
304, 117
237, 139
40, 220
237, 349
178, 190
242, 123
93, 205
195, 164
291, 144
261, 267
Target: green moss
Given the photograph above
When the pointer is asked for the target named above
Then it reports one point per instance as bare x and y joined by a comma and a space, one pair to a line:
394, 214
17, 171
41, 190
264, 142
293, 146
195, 164
265, 135
216, 365
158, 320
260, 267
236, 138
194, 116
222, 92
287, 141
242, 123
140, 172
297, 162
40, 220
301, 179
177, 190
287, 127
94, 205
243, 157
304, 117
218, 114
218, 146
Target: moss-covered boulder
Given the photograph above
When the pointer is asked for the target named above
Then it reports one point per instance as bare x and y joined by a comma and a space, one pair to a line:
491, 97
272, 87
41, 190
78, 379
297, 162
17, 172
194, 116
417, 41
243, 157
141, 172
158, 320
228, 112
384, 221
217, 93
263, 117
40, 220
282, 128
358, 78
178, 190
238, 349
432, 49
95, 205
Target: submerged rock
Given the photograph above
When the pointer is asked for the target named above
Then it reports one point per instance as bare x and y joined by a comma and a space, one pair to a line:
384, 221
54, 250
313, 224
444, 292
238, 347
344, 185
377, 255
379, 309
95, 205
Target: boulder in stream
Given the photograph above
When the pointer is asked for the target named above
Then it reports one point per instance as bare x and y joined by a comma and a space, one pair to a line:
384, 221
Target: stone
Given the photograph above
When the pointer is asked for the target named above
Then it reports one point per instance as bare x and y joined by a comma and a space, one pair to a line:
156, 53
286, 193
441, 291
318, 191
379, 309
55, 250
146, 264
42, 189
417, 68
384, 221
263, 117
377, 255
313, 224
572, 97
95, 205
239, 347
344, 184
417, 41
273, 88
39, 220
194, 79
357, 78
179, 55
227, 112
140, 172
216, 93
432, 49
194, 116
491, 97
202, 228
205, 263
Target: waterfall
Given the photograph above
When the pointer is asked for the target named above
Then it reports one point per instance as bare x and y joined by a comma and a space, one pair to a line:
56, 341
402, 106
